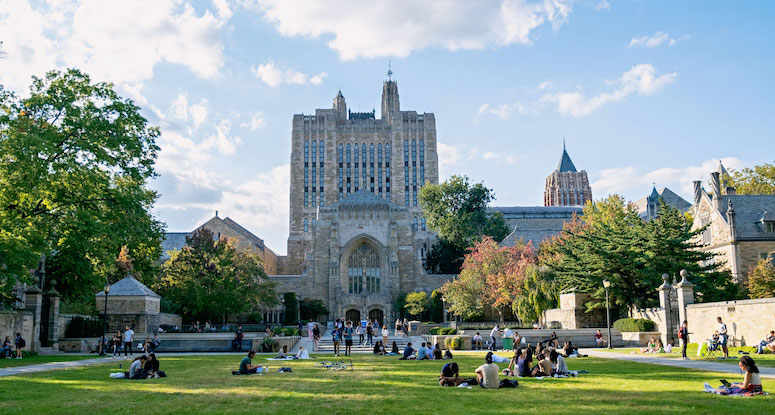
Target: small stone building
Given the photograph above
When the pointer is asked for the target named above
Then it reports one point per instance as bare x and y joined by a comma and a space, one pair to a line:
130, 302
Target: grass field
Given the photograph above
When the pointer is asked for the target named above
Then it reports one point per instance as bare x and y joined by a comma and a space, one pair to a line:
204, 384
764, 360
34, 360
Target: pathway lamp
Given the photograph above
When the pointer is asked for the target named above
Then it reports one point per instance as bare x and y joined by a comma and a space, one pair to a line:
607, 284
104, 319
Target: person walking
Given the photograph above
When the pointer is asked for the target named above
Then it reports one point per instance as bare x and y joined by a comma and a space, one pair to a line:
683, 336
369, 333
117, 344
316, 336
238, 336
19, 343
398, 327
336, 337
405, 327
359, 332
128, 336
493, 333
723, 337
385, 334
348, 338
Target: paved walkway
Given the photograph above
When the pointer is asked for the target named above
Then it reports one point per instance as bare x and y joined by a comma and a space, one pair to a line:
766, 372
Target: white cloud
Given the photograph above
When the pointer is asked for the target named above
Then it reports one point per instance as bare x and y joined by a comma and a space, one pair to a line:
500, 157
657, 39
545, 85
398, 28
119, 42
199, 112
603, 5
635, 183
274, 74
640, 80
256, 121
453, 157
181, 110
502, 111
222, 141
261, 203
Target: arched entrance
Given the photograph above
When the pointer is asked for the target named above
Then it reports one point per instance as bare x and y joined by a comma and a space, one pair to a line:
377, 314
353, 315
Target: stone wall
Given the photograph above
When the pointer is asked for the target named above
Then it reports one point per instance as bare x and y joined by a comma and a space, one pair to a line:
747, 320
17, 321
129, 304
64, 320
573, 314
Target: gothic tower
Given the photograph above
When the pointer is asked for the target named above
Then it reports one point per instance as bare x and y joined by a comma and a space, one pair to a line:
566, 186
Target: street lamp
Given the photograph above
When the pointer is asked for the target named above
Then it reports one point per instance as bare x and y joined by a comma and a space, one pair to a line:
104, 319
282, 313
444, 309
607, 284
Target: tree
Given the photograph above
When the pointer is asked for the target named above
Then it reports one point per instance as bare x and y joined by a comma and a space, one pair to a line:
539, 293
756, 180
416, 303
211, 278
457, 210
310, 309
436, 307
491, 277
291, 305
761, 280
75, 159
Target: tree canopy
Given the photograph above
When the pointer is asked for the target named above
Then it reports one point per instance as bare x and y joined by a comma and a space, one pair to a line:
756, 180
761, 280
416, 303
75, 158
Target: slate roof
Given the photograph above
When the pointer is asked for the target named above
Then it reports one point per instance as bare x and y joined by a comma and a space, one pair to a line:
363, 197
751, 211
566, 164
129, 286
173, 241
535, 223
668, 196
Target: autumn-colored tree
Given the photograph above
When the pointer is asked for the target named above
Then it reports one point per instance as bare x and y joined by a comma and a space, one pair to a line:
761, 280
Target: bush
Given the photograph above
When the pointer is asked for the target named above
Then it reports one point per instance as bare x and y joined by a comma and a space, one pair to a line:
443, 331
288, 331
555, 325
83, 327
268, 345
634, 324
453, 343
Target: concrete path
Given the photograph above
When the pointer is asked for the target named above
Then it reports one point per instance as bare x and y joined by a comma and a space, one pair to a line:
765, 372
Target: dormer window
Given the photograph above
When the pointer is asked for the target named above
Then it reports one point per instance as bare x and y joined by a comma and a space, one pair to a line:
769, 226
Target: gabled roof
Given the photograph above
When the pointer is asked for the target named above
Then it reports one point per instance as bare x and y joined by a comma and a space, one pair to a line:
668, 196
566, 164
750, 213
129, 286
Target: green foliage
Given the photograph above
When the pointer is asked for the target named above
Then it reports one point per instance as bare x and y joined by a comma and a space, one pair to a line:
756, 180
310, 309
84, 306
291, 305
443, 331
83, 327
453, 343
634, 324
268, 345
539, 293
436, 306
761, 280
75, 159
416, 303
209, 278
286, 331
457, 210
614, 243
399, 304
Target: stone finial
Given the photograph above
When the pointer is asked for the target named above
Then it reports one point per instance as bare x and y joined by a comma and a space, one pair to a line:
665, 285
684, 282
34, 289
53, 291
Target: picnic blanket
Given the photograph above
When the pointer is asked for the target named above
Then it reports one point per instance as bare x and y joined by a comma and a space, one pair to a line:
724, 391
281, 358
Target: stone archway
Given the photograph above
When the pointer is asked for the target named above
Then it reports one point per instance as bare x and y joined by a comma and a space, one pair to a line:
353, 315
377, 314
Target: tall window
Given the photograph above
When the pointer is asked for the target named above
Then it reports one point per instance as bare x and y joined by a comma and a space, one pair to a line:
379, 168
341, 166
306, 225
306, 173
349, 176
422, 162
423, 223
322, 150
356, 177
314, 176
414, 173
363, 268
363, 165
371, 167
387, 171
406, 172
414, 224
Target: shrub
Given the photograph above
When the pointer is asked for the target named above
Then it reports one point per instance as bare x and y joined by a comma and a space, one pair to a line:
268, 345
83, 327
555, 325
453, 343
288, 331
442, 331
634, 324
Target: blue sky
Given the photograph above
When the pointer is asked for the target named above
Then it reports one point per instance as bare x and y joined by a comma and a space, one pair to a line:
643, 91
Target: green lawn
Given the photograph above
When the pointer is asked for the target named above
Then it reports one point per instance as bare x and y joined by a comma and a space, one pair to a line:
764, 360
34, 360
204, 384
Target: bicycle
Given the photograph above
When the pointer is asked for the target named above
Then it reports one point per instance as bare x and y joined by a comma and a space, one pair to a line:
335, 366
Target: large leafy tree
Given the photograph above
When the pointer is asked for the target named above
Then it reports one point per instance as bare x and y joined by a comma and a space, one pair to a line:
761, 280
416, 303
457, 210
491, 278
756, 180
539, 292
75, 158
210, 278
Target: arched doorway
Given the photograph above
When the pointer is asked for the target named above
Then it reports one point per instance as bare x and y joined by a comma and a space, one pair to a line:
377, 314
353, 315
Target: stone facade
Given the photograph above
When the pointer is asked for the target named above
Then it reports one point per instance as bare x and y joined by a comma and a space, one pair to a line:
573, 314
132, 303
566, 186
747, 320
535, 223
647, 207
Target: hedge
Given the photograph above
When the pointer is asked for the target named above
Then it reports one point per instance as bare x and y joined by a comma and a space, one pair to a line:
453, 343
80, 327
634, 324
443, 331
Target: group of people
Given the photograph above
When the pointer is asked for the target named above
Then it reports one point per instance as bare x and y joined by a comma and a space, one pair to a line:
123, 339
381, 350
9, 346
402, 328
145, 367
425, 352
343, 330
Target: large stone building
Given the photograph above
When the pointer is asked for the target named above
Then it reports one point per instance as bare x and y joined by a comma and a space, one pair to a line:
741, 228
648, 206
566, 186
535, 223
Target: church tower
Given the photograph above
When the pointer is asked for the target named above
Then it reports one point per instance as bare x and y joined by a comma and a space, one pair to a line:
566, 186
340, 107
390, 101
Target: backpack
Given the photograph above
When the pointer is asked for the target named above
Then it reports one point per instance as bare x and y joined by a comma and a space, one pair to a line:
22, 343
680, 334
448, 355
508, 383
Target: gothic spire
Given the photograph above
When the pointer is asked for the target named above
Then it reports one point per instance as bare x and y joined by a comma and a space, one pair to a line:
566, 164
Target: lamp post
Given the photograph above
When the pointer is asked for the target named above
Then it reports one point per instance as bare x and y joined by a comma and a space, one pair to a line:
282, 313
607, 284
444, 309
104, 320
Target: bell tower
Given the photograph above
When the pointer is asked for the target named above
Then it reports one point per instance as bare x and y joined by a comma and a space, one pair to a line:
390, 101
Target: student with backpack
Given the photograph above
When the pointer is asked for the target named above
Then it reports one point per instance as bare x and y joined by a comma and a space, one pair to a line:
19, 343
683, 337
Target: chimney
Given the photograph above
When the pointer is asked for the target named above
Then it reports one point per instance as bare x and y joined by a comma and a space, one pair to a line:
715, 187
731, 191
697, 191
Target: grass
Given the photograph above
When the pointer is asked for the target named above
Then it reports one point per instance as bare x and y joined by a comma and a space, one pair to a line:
34, 360
204, 385
763, 360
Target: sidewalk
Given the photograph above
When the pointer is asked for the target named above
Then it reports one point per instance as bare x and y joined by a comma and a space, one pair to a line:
765, 372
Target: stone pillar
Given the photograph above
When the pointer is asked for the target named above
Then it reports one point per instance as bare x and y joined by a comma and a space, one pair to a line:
34, 303
664, 307
685, 291
53, 315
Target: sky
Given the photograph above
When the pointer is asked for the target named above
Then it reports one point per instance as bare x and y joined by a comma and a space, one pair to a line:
644, 92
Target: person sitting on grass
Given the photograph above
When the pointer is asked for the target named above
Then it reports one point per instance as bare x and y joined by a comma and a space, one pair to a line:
544, 366
477, 341
512, 369
752, 381
246, 365
283, 353
394, 349
151, 367
450, 375
379, 349
660, 346
524, 362
7, 351
408, 352
301, 354
539, 349
568, 349
429, 350
437, 352
136, 369
487, 374
767, 344
422, 352
650, 347
560, 367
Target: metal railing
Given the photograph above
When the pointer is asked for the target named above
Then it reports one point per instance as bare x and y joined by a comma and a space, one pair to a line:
202, 328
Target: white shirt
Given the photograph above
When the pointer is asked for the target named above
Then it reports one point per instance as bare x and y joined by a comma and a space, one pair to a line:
128, 336
135, 367
494, 332
562, 367
722, 329
385, 332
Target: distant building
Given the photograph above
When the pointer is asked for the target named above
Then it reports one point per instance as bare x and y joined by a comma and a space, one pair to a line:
566, 186
647, 207
535, 223
741, 227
